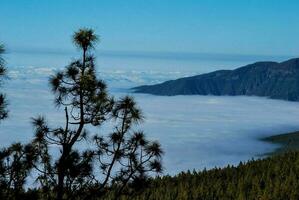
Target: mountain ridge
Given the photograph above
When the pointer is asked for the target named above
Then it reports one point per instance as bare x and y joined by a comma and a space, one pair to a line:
269, 79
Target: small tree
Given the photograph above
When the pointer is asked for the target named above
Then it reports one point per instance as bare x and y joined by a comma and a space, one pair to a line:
16, 163
121, 158
125, 156
3, 103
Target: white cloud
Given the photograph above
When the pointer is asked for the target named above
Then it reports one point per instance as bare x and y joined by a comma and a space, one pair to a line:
195, 131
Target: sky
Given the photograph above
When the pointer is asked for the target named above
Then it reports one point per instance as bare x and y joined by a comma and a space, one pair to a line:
247, 27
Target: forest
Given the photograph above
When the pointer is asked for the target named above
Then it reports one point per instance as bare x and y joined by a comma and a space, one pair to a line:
271, 178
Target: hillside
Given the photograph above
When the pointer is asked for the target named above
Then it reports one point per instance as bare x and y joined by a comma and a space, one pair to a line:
271, 178
287, 142
269, 79
275, 177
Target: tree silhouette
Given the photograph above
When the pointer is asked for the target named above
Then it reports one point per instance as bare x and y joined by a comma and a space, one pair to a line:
16, 163
125, 156
3, 103
118, 159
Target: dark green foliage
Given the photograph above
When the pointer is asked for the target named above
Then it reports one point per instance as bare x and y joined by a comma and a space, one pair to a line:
3, 102
266, 179
271, 178
286, 141
85, 38
16, 163
269, 79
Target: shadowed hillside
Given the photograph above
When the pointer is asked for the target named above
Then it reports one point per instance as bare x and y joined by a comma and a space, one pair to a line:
275, 177
272, 178
269, 79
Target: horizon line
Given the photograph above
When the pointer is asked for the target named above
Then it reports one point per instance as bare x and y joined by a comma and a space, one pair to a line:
178, 55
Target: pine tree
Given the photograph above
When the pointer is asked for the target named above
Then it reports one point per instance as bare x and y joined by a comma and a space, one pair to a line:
123, 158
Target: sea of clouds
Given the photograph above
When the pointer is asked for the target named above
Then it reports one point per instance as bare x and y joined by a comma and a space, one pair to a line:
196, 132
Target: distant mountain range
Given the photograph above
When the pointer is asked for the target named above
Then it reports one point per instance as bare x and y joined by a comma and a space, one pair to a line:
269, 79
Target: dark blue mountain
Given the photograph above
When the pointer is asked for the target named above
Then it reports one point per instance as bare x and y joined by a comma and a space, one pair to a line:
269, 79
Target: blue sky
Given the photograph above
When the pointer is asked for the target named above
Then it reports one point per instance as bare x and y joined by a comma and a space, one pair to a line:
260, 27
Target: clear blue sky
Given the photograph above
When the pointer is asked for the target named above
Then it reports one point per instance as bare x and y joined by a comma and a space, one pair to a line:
261, 27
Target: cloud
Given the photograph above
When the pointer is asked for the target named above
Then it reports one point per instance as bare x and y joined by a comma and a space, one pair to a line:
195, 131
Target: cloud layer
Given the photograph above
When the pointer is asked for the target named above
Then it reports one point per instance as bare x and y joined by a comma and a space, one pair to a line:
195, 131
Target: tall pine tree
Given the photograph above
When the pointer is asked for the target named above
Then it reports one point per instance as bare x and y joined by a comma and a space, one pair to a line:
123, 157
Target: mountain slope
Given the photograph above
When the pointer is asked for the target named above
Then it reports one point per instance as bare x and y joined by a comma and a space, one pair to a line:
271, 178
270, 79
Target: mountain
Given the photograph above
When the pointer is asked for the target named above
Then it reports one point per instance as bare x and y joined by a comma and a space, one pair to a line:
269, 79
